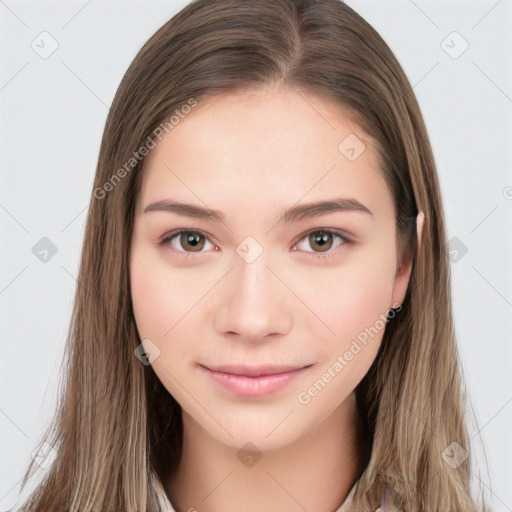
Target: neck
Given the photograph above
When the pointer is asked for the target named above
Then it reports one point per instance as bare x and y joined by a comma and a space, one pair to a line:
316, 472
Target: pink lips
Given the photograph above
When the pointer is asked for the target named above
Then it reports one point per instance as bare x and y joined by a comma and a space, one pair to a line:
253, 381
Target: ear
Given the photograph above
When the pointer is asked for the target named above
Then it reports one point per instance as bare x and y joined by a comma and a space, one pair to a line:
403, 274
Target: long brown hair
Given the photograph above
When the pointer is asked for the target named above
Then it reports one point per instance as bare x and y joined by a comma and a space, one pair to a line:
118, 432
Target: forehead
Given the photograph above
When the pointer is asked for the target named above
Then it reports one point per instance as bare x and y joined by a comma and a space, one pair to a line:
265, 147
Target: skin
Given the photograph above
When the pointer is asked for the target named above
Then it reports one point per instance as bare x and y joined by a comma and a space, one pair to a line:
251, 155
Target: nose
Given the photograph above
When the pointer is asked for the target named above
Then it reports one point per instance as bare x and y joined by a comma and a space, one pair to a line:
254, 303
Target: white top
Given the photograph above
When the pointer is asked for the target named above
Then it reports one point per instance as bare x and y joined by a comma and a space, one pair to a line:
166, 505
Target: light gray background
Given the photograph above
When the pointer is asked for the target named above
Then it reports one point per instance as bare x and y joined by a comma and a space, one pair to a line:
53, 112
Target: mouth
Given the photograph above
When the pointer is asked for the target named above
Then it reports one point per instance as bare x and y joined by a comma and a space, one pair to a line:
255, 371
254, 381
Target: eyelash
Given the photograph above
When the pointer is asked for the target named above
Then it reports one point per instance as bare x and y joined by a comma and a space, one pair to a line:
345, 240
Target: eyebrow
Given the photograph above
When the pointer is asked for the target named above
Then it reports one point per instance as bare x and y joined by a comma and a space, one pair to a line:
293, 214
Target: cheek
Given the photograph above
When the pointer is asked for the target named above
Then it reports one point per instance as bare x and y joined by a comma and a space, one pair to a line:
149, 298
161, 301
160, 297
360, 303
352, 300
354, 304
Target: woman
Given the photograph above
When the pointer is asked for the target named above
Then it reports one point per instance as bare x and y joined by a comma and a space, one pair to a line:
264, 317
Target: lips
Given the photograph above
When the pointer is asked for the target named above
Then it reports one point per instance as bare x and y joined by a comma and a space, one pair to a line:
255, 371
253, 381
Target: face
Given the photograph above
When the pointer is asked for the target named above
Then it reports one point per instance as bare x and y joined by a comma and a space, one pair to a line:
248, 312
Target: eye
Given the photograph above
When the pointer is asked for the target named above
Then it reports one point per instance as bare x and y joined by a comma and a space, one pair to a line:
323, 240
191, 241
188, 241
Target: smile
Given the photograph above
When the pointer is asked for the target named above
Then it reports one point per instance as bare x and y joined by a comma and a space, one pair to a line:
256, 385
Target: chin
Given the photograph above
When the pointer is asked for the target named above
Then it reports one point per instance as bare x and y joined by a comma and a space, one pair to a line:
266, 431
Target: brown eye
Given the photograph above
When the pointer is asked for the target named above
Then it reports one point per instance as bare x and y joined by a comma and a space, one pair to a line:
321, 239
186, 241
193, 240
322, 242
